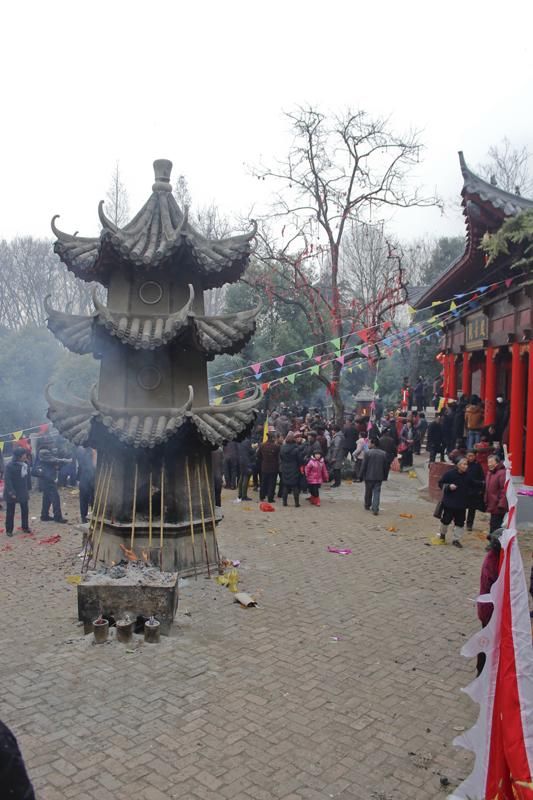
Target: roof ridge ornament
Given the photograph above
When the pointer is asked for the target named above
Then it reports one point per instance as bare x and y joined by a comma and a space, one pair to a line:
162, 172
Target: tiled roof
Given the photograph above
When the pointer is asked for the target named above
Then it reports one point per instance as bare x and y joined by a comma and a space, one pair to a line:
159, 236
149, 427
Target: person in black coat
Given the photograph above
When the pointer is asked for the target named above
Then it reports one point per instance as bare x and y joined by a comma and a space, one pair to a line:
435, 439
374, 470
47, 468
456, 486
246, 462
14, 781
290, 459
86, 475
476, 489
16, 489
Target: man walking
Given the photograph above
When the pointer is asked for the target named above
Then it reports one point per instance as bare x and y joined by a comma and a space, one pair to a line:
435, 439
374, 471
47, 470
16, 490
336, 456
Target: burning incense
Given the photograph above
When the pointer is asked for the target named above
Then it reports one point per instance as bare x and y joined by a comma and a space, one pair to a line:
134, 506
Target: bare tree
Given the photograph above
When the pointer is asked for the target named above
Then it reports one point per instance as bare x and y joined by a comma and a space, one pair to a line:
116, 202
339, 171
509, 168
29, 270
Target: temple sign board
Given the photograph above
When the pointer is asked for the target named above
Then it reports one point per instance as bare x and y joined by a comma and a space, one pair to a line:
476, 330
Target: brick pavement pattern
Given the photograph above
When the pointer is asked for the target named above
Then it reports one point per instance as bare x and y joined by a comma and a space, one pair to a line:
344, 682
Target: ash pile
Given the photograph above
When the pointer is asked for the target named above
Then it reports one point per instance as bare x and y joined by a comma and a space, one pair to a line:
130, 573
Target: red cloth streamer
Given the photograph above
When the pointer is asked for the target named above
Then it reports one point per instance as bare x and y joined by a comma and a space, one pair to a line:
50, 539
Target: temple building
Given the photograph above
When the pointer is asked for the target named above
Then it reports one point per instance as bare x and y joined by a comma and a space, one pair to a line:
487, 344
149, 416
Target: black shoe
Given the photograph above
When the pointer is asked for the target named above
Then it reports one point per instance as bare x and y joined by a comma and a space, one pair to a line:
367, 508
375, 513
285, 503
84, 520
47, 519
61, 521
297, 504
9, 533
457, 543
244, 498
27, 530
469, 527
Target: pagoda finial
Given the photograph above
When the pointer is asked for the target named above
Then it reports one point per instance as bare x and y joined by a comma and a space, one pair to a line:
162, 170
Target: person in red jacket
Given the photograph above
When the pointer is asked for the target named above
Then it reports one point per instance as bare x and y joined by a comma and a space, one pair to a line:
489, 575
495, 498
316, 474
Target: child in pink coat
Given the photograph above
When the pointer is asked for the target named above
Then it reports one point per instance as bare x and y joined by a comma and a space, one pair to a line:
316, 474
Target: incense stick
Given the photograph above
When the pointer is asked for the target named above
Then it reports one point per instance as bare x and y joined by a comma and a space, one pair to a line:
162, 516
95, 513
204, 532
103, 513
150, 513
190, 515
212, 506
134, 506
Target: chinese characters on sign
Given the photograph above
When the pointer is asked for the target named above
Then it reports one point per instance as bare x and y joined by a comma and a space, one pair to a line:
476, 330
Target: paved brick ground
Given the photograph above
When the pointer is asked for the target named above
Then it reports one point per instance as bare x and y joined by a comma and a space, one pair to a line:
343, 683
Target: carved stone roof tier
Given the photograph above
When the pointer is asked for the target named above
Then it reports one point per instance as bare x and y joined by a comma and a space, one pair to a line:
72, 419
210, 335
158, 237
149, 427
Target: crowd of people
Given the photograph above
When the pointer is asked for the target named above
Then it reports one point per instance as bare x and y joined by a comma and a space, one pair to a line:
54, 463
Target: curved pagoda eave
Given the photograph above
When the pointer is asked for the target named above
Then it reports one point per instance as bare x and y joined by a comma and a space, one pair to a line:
210, 335
159, 237
150, 427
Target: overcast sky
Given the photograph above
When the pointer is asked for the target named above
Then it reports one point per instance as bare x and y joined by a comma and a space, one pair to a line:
205, 85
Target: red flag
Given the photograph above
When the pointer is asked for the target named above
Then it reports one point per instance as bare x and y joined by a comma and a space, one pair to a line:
241, 394
501, 738
264, 386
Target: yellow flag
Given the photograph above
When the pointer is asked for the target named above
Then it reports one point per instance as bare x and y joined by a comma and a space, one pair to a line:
218, 401
441, 404
265, 431
2, 446
411, 310
17, 435
436, 302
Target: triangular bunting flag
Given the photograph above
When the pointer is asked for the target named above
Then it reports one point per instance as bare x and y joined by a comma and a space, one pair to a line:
340, 359
218, 401
314, 370
17, 435
218, 387
280, 360
436, 302
365, 352
508, 282
363, 334
453, 306
241, 394
309, 351
256, 368
335, 343
292, 377
278, 369
258, 376
264, 386
2, 446
411, 310
318, 359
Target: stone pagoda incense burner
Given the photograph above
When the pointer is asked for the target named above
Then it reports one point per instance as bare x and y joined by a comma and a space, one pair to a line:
149, 416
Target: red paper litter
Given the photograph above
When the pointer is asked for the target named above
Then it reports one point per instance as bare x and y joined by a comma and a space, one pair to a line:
7, 547
50, 539
266, 507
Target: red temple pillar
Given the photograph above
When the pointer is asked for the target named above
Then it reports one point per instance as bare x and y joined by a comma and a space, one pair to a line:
516, 419
466, 383
528, 471
445, 376
452, 378
490, 385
